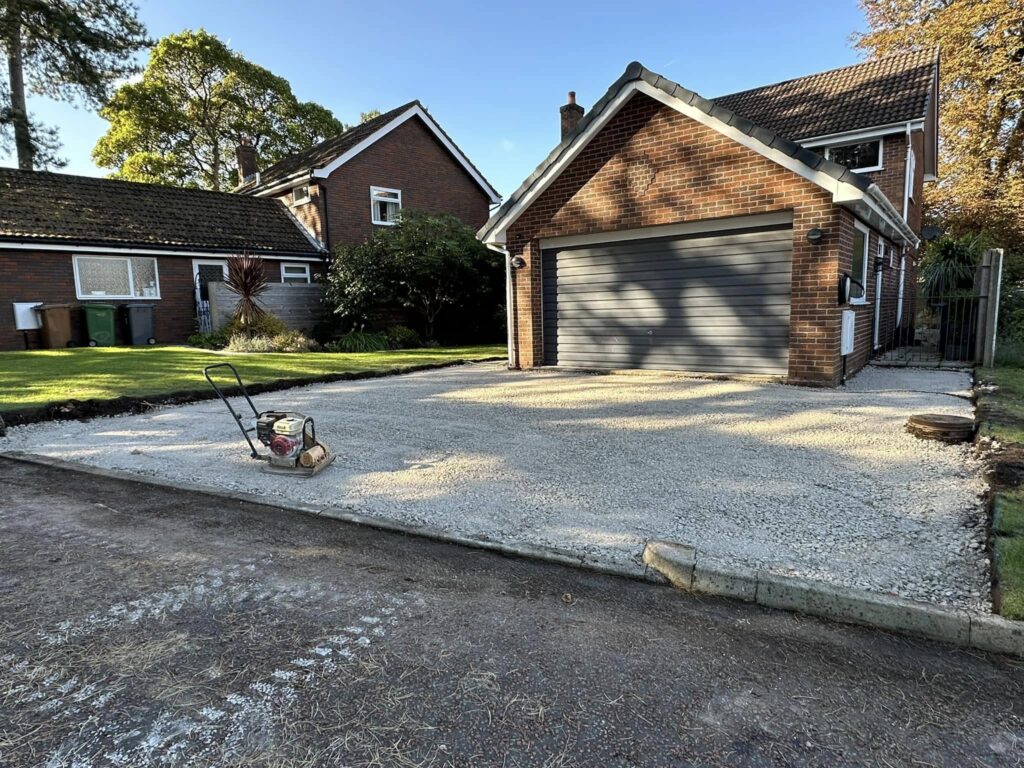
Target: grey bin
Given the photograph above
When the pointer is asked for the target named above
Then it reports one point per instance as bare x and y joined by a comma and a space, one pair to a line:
139, 318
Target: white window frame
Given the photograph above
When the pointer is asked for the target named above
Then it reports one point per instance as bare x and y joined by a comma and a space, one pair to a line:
863, 278
879, 281
868, 168
376, 198
296, 200
131, 278
908, 181
305, 267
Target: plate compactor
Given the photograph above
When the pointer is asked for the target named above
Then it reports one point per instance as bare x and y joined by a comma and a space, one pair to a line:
290, 436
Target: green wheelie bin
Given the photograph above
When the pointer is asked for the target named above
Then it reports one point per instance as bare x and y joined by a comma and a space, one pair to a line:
99, 323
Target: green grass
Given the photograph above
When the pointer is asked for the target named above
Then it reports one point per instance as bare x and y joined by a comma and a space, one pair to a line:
40, 377
1010, 564
1003, 412
1004, 409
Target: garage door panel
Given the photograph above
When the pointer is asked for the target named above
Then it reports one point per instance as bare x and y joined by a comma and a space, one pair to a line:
708, 303
692, 259
672, 277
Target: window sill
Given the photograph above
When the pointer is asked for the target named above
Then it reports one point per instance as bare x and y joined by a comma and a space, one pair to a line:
859, 302
117, 298
871, 169
384, 223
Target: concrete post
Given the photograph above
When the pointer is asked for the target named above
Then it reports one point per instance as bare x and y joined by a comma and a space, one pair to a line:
995, 285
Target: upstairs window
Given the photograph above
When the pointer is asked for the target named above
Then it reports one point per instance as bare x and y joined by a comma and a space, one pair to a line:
862, 156
300, 195
116, 277
385, 205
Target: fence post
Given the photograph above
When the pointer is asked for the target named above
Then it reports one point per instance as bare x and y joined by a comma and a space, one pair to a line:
982, 281
995, 257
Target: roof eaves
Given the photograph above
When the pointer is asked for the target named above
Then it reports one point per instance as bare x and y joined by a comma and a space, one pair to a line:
636, 71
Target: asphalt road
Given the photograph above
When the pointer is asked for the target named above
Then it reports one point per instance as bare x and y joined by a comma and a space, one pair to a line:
141, 626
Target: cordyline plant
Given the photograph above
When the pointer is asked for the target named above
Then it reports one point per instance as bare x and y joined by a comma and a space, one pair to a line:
248, 280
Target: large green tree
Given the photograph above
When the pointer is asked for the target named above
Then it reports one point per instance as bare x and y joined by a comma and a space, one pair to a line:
981, 130
69, 50
197, 100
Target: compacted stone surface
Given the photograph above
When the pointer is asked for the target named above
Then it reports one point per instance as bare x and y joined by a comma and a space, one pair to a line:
819, 483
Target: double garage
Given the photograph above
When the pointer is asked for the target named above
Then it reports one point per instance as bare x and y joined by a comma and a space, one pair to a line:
672, 298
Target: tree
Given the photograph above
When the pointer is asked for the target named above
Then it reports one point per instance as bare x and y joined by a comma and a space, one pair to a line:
247, 279
72, 50
426, 263
365, 117
981, 188
197, 100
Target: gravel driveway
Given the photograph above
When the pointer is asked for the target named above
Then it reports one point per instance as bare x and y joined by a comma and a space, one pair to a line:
818, 483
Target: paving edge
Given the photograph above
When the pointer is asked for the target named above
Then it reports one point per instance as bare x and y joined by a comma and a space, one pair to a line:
664, 562
684, 569
555, 555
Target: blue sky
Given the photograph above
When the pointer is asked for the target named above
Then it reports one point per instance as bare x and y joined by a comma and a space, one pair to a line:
494, 74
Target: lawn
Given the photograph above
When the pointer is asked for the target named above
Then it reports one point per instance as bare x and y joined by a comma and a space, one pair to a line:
39, 377
1003, 414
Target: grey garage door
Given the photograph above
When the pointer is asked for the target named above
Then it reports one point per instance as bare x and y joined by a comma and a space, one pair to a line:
711, 302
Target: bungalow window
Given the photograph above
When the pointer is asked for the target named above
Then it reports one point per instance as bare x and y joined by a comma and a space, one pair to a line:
859, 268
116, 277
294, 273
385, 205
300, 195
860, 157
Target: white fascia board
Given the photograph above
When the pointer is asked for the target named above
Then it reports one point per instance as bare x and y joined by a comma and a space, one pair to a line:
413, 111
861, 135
28, 245
289, 183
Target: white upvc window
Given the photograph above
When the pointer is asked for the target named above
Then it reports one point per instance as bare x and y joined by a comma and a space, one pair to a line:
861, 157
859, 267
899, 291
294, 272
116, 277
300, 194
908, 182
385, 205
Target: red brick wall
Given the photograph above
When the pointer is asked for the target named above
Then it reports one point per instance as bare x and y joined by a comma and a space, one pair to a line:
700, 174
309, 214
411, 159
893, 174
47, 276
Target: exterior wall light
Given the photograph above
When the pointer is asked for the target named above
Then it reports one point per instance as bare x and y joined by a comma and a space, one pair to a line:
814, 236
518, 262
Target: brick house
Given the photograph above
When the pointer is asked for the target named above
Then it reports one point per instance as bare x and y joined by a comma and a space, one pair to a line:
76, 239
668, 231
345, 187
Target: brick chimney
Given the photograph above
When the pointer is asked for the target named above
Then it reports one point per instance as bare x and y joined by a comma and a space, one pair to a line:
571, 113
247, 165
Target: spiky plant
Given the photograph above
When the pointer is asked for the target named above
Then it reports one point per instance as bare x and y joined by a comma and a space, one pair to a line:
948, 267
248, 280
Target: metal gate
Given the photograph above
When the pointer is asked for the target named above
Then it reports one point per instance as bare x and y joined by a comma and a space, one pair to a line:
944, 326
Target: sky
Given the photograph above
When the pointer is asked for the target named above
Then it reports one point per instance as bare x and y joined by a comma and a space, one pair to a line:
493, 73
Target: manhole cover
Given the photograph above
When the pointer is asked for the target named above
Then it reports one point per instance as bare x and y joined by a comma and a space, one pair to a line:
939, 426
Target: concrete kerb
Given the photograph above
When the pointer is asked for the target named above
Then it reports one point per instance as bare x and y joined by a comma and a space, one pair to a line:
685, 569
664, 563
347, 515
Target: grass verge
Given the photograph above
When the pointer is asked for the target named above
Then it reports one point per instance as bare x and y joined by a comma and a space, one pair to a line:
41, 377
1002, 412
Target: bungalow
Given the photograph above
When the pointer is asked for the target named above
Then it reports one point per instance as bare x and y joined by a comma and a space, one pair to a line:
77, 239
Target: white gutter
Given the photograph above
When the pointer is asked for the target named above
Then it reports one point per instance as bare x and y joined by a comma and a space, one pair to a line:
28, 245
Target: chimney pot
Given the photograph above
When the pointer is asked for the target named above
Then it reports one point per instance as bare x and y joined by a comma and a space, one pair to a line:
571, 115
248, 163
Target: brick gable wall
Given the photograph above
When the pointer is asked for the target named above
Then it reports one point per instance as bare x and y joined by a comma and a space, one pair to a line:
411, 159
699, 174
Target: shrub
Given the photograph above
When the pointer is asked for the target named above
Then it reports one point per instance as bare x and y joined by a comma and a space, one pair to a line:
289, 341
215, 340
402, 337
294, 341
359, 341
242, 343
265, 325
